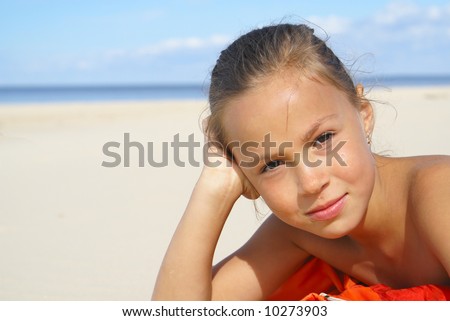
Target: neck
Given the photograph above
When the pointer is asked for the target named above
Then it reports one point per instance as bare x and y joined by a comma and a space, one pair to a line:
380, 226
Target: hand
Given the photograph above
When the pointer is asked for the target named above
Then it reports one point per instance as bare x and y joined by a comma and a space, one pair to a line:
225, 173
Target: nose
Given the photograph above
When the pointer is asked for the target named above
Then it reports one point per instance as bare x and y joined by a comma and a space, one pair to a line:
311, 178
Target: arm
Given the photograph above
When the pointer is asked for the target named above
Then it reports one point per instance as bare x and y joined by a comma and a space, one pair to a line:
186, 269
251, 273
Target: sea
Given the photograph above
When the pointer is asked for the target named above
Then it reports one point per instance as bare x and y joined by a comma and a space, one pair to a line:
95, 93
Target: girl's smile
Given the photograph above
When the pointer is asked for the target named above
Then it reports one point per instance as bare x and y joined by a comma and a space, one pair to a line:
329, 210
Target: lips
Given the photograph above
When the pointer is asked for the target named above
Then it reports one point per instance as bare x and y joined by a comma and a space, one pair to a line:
328, 210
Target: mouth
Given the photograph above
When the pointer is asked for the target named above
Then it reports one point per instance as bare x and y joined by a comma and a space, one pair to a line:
328, 210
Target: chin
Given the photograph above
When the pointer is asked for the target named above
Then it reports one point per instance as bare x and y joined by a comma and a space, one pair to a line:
332, 235
338, 229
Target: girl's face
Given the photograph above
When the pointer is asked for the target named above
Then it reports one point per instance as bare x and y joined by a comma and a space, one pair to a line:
303, 146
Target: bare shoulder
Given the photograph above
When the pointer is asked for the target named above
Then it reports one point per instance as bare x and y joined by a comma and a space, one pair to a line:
430, 181
429, 204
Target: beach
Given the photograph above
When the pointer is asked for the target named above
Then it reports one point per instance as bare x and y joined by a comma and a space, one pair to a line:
77, 224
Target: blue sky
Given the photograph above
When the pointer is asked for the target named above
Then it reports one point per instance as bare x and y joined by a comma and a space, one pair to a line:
53, 42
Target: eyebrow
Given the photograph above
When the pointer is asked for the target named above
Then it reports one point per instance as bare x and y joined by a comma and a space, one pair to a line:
308, 135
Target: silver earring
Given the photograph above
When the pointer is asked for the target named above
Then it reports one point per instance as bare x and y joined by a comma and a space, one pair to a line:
369, 140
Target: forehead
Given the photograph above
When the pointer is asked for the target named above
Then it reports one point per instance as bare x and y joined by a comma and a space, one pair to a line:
282, 106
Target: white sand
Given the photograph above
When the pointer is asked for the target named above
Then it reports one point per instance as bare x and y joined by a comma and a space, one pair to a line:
71, 229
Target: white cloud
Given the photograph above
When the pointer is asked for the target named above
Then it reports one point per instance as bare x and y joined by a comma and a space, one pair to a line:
402, 37
401, 15
434, 13
331, 24
398, 22
406, 37
172, 45
114, 54
397, 11
179, 44
84, 65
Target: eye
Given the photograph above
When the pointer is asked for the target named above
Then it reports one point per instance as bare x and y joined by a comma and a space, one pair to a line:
321, 141
271, 165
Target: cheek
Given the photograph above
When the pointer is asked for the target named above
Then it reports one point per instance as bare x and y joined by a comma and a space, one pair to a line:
359, 168
279, 193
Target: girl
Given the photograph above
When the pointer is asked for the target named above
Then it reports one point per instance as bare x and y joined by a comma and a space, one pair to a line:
289, 125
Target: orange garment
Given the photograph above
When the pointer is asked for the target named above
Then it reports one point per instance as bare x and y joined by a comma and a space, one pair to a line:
318, 281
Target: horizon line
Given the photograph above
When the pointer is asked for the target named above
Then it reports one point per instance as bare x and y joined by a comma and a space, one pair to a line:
173, 85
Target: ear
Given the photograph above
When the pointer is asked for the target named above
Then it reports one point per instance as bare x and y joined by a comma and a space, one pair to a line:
365, 111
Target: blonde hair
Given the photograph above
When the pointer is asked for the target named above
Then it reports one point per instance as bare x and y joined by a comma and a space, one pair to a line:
264, 52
